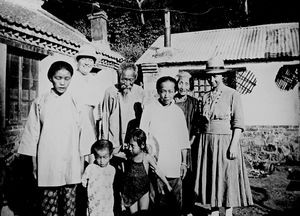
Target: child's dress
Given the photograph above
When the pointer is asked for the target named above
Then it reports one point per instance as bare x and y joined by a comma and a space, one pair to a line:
99, 183
136, 182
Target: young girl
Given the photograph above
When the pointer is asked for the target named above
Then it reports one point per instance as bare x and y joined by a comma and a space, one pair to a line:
136, 181
98, 178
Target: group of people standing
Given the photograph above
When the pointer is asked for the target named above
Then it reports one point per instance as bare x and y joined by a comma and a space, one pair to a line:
158, 158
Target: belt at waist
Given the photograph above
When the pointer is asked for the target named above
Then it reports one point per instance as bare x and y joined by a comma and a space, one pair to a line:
218, 127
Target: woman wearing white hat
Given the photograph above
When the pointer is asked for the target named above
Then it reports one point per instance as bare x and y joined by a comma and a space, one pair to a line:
221, 175
82, 90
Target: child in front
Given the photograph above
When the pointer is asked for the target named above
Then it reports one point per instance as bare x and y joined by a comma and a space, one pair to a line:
98, 178
136, 180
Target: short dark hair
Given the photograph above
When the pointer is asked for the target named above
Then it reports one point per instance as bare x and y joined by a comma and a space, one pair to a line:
140, 137
165, 79
58, 65
100, 145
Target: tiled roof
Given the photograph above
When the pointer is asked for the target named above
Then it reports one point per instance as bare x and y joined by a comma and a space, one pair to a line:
27, 22
108, 57
237, 44
35, 26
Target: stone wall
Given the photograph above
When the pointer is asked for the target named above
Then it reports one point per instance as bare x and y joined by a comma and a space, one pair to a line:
9, 139
271, 144
260, 144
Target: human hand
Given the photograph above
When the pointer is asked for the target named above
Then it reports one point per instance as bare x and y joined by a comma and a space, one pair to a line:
6, 211
183, 170
34, 172
232, 152
121, 155
34, 168
169, 187
10, 158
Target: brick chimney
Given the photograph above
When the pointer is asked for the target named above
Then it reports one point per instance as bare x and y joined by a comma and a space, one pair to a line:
99, 29
167, 35
166, 50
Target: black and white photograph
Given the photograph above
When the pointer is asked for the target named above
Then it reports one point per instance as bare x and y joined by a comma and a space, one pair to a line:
149, 108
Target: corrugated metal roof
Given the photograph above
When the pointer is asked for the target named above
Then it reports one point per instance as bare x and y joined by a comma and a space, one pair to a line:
236, 44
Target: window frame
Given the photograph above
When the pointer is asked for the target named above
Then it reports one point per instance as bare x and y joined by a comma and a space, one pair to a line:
199, 74
31, 61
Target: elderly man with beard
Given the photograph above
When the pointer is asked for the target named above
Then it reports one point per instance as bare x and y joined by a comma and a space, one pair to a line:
120, 105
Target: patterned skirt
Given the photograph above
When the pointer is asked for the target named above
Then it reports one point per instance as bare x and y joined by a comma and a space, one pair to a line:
220, 182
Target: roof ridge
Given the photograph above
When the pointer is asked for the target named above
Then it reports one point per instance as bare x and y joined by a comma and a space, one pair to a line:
242, 27
54, 18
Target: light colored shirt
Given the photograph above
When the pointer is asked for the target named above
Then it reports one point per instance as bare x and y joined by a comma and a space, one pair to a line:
53, 134
99, 183
102, 81
167, 126
118, 111
81, 89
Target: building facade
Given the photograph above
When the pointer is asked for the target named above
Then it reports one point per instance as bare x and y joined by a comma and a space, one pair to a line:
266, 59
30, 40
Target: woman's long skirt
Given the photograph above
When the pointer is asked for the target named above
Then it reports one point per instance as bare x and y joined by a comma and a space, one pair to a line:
220, 182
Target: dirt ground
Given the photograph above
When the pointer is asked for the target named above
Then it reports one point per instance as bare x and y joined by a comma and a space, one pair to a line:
273, 196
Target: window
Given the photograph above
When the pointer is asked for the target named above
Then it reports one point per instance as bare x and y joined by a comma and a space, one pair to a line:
21, 84
201, 84
287, 77
241, 79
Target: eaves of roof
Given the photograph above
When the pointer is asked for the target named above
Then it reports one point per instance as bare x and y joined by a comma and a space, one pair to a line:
37, 27
31, 25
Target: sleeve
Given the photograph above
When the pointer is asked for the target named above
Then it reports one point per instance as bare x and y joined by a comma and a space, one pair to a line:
145, 121
145, 126
195, 119
85, 177
237, 114
113, 172
184, 136
143, 96
90, 98
104, 129
31, 134
87, 133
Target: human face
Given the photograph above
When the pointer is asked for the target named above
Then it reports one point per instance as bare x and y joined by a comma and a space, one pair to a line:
103, 157
134, 148
183, 86
215, 80
61, 81
127, 79
85, 65
166, 93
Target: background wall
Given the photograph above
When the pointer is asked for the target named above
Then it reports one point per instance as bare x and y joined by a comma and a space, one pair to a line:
267, 104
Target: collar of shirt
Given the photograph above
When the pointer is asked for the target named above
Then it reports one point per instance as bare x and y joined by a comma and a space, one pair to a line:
165, 106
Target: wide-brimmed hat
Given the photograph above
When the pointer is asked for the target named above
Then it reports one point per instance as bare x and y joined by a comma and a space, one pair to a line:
87, 51
215, 65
